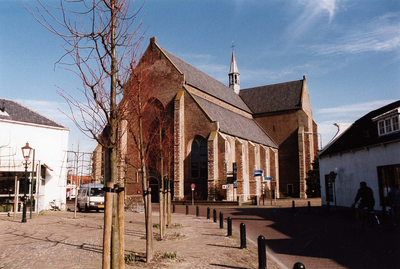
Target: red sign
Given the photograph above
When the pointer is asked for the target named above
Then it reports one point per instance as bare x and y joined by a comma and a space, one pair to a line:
192, 186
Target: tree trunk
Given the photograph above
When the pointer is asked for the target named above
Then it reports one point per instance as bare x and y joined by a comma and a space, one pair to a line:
115, 226
121, 203
113, 122
146, 195
169, 204
107, 228
161, 217
149, 228
161, 194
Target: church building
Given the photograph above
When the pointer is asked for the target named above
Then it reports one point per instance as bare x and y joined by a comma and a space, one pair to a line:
228, 143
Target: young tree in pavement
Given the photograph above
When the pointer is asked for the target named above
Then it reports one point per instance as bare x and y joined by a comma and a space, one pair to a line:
102, 41
140, 105
160, 158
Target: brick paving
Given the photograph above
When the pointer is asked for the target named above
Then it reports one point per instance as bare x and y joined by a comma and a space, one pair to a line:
58, 240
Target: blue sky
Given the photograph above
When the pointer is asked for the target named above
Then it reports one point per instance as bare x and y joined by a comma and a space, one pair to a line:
349, 51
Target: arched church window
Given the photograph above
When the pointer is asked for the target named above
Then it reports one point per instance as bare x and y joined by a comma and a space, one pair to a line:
199, 158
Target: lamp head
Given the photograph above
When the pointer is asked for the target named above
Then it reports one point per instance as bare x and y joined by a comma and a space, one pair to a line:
26, 151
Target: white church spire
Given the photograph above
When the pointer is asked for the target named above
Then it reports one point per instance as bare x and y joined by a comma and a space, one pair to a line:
234, 82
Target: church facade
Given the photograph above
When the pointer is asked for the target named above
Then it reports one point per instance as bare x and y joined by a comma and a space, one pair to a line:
227, 142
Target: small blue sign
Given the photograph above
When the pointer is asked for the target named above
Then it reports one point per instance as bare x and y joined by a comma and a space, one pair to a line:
258, 173
268, 178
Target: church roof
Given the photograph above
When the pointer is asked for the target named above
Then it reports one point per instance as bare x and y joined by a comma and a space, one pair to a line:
235, 124
273, 98
200, 80
363, 132
13, 111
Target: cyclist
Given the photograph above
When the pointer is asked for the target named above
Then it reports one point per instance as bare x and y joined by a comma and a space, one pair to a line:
366, 195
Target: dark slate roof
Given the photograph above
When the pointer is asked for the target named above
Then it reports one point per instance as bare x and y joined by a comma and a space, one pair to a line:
13, 111
272, 98
209, 85
235, 124
363, 133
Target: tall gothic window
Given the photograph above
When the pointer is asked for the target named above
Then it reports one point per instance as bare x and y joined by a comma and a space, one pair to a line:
199, 158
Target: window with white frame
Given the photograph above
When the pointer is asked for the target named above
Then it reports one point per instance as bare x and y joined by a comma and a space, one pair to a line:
388, 125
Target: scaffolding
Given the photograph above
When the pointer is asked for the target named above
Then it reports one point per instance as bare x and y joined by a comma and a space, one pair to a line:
79, 170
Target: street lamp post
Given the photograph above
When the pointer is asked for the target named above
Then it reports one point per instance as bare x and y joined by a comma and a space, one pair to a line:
26, 153
320, 138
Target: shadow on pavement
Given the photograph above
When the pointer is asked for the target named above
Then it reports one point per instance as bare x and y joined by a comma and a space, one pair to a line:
304, 236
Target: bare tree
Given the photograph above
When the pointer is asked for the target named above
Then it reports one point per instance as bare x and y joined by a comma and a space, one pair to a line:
101, 38
140, 104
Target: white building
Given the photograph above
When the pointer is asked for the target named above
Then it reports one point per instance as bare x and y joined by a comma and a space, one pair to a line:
369, 150
49, 141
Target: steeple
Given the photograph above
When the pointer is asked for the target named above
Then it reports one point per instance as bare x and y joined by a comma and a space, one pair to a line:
234, 82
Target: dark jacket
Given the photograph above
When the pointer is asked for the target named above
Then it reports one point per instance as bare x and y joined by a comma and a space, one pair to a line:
367, 197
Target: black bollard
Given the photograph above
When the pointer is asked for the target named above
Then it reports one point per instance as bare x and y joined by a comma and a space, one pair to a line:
328, 207
299, 265
243, 235
173, 208
262, 254
309, 206
221, 220
197, 211
229, 226
215, 215
208, 213
187, 210
293, 205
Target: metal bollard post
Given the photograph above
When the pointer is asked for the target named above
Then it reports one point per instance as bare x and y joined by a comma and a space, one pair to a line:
262, 254
309, 206
243, 235
299, 265
328, 207
293, 205
229, 226
208, 213
197, 211
221, 220
215, 215
187, 210
173, 208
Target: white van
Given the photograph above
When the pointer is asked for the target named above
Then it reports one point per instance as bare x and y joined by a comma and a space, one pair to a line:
90, 196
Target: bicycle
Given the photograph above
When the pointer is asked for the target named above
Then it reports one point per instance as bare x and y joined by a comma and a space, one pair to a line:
56, 206
368, 219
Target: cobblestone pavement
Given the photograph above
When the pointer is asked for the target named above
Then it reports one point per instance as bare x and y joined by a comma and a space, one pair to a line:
58, 240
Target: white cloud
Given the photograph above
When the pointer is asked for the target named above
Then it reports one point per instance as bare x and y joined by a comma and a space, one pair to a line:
312, 12
381, 34
49, 109
54, 111
353, 109
188, 57
326, 117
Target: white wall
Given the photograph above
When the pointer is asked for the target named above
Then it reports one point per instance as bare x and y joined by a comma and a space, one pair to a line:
50, 144
357, 166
